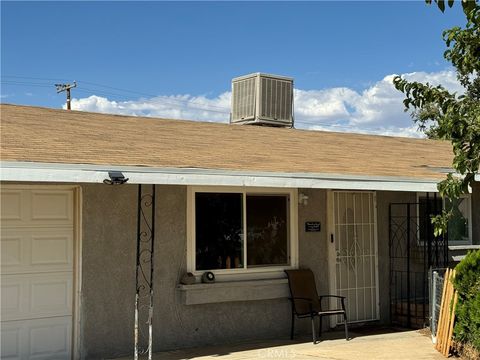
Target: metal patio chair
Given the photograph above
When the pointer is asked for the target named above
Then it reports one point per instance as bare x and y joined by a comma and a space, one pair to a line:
307, 304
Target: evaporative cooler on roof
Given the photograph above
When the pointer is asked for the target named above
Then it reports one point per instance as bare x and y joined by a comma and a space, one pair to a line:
262, 99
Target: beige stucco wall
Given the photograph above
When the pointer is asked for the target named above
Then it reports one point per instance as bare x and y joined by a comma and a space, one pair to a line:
312, 246
108, 270
108, 274
109, 233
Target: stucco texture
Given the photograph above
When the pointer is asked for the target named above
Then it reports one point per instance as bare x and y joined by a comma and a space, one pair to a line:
108, 270
108, 281
108, 275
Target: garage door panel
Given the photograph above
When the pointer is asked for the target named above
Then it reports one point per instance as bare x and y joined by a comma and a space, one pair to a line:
13, 295
11, 247
50, 339
28, 296
27, 250
11, 340
51, 206
11, 208
36, 207
52, 248
37, 339
37, 253
51, 296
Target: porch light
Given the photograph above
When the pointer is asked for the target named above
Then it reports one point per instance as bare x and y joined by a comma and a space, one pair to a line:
115, 178
302, 199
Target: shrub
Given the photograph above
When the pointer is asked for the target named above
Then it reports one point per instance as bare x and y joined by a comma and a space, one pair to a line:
467, 283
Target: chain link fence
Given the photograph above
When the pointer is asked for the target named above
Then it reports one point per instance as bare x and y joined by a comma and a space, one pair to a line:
436, 279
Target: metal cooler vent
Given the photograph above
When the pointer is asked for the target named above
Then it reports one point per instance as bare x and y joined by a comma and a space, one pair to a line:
243, 94
262, 99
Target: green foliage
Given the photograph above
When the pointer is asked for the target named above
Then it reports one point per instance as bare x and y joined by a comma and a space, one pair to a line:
440, 223
467, 283
445, 115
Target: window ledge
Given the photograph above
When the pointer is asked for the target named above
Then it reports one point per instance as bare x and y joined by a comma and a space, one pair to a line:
234, 291
463, 247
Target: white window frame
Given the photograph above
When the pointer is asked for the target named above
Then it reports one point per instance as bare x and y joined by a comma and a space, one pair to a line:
468, 197
470, 217
244, 273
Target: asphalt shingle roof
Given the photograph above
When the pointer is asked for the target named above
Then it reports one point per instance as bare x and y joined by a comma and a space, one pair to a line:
34, 134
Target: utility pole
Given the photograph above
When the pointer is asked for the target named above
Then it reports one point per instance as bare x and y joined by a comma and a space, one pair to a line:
66, 87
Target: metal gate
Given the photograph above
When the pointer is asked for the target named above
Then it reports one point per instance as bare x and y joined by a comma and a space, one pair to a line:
356, 253
413, 251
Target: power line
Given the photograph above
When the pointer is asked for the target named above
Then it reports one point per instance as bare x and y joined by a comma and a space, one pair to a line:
34, 78
67, 88
151, 95
226, 110
172, 101
162, 99
25, 84
167, 100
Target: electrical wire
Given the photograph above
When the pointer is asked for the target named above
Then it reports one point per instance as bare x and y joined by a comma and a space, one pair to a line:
120, 97
150, 95
210, 107
33, 78
20, 83
159, 98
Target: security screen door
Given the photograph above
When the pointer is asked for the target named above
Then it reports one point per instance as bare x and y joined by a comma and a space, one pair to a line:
355, 253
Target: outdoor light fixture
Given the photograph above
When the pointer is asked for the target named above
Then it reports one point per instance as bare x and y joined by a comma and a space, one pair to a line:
115, 178
302, 199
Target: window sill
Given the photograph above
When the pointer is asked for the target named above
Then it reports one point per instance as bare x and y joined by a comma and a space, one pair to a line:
458, 252
466, 246
233, 291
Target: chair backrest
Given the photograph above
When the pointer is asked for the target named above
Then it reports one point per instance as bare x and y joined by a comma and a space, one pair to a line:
302, 285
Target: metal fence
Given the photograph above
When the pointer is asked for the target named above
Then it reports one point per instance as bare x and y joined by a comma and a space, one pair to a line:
413, 251
436, 278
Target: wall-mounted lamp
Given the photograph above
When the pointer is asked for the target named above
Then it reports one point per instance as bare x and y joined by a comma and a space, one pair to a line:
115, 178
302, 199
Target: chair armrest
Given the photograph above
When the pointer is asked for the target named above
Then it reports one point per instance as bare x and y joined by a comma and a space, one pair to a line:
300, 298
342, 299
335, 296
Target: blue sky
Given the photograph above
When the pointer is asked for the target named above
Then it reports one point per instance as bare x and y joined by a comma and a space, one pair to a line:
179, 57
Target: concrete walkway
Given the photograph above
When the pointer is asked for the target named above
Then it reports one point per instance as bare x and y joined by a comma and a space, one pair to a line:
392, 345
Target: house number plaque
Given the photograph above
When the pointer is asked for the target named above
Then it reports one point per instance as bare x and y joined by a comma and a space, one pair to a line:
312, 226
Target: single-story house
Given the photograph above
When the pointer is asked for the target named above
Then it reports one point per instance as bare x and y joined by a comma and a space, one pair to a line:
243, 202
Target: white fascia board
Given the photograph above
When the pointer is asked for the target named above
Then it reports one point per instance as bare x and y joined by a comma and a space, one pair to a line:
76, 173
37, 174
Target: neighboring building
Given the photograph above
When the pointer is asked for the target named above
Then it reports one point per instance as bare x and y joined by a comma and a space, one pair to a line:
245, 202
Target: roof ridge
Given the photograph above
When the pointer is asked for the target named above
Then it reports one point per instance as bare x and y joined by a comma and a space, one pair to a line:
221, 124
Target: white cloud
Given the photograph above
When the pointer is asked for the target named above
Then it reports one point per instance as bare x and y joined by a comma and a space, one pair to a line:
386, 131
173, 107
377, 109
323, 104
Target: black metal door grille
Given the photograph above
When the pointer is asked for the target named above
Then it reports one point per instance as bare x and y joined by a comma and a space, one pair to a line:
413, 251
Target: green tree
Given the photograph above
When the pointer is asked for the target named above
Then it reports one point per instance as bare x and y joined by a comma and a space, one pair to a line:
467, 284
455, 117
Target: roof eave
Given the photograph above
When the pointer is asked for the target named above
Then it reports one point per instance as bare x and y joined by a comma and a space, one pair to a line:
85, 173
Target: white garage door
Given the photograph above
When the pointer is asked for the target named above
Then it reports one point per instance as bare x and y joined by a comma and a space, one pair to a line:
37, 238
